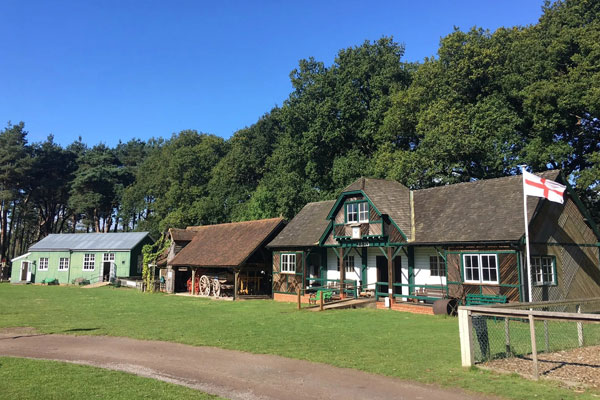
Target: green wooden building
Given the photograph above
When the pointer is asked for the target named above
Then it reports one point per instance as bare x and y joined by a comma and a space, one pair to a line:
95, 257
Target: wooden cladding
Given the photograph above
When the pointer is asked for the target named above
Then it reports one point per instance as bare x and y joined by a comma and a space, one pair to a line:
287, 282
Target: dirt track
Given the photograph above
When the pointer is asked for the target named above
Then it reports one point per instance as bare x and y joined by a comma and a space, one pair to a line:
228, 373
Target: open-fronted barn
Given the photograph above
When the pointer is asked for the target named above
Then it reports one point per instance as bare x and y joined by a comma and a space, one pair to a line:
450, 241
222, 260
94, 257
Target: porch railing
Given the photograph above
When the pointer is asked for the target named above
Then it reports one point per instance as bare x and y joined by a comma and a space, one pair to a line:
412, 288
349, 286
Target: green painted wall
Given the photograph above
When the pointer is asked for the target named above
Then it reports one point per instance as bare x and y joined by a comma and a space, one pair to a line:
123, 261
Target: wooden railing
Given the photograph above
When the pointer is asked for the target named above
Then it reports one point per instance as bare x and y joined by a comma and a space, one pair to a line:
412, 288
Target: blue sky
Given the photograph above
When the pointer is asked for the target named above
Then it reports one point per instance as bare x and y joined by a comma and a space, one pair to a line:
110, 70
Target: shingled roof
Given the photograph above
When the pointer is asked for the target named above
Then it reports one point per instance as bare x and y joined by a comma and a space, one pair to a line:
306, 228
484, 210
181, 235
390, 197
226, 245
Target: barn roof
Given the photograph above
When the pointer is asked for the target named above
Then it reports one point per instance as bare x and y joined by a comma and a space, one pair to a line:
89, 241
484, 210
226, 245
306, 228
181, 235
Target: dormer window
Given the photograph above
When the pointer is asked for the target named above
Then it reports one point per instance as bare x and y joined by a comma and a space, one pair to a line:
357, 212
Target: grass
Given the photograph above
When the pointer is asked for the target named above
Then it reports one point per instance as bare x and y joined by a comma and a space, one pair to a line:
414, 347
39, 379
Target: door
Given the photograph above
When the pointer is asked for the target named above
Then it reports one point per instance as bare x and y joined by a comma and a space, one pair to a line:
108, 259
25, 273
382, 273
398, 274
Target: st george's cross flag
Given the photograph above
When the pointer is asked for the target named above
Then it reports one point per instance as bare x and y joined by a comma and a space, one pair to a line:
533, 185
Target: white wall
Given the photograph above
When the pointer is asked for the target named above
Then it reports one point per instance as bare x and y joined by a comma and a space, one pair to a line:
422, 272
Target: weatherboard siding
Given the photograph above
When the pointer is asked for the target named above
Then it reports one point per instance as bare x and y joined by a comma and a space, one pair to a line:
122, 261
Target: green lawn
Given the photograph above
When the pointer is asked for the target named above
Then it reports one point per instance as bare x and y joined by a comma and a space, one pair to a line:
39, 379
414, 347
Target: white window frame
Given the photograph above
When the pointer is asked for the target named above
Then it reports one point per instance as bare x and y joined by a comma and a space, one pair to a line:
480, 268
110, 258
351, 213
288, 263
43, 266
349, 264
87, 259
440, 266
537, 267
63, 266
363, 212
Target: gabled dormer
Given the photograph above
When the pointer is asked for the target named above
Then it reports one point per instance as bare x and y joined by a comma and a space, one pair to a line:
370, 212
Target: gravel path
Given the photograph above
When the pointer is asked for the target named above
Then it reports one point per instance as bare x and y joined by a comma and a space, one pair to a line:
580, 365
227, 373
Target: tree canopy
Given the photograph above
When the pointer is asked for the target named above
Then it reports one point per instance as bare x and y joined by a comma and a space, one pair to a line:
488, 102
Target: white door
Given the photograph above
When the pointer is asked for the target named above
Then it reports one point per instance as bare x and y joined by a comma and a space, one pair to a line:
25, 271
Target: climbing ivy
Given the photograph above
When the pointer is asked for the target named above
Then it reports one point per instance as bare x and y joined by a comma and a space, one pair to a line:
151, 252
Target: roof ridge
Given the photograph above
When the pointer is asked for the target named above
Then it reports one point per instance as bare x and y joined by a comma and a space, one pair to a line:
482, 180
189, 228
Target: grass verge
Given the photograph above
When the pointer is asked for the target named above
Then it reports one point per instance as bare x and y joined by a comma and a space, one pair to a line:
414, 347
39, 379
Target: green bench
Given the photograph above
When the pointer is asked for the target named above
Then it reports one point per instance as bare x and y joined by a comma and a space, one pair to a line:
326, 293
484, 299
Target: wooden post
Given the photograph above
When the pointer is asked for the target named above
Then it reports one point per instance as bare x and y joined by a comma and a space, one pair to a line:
236, 276
192, 291
299, 299
342, 273
465, 329
546, 336
507, 336
579, 328
390, 275
536, 375
321, 301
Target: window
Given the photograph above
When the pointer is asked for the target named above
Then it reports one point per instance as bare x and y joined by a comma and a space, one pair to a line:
543, 270
437, 266
89, 262
349, 264
357, 212
43, 265
480, 268
63, 264
363, 212
108, 257
288, 263
352, 212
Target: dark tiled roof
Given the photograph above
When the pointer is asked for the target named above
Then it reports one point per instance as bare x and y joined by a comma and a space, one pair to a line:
182, 235
306, 228
390, 197
225, 245
485, 210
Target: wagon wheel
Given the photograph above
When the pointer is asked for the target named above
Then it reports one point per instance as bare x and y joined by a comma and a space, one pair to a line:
204, 285
216, 286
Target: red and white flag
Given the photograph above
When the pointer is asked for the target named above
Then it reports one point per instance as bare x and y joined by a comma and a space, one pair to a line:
533, 185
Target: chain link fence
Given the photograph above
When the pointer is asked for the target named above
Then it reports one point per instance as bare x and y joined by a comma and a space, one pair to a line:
530, 332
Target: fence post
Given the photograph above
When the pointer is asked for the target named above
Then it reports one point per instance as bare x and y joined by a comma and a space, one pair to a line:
579, 328
321, 300
507, 336
546, 336
299, 300
465, 329
536, 375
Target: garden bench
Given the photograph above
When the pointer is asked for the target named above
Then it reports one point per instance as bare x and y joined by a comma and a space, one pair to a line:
326, 293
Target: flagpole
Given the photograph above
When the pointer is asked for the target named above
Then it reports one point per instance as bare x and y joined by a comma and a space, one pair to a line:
527, 254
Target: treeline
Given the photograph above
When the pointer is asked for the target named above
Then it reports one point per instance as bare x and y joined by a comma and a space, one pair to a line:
487, 103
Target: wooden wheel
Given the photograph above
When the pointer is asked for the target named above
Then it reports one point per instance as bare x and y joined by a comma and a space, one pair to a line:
204, 285
216, 286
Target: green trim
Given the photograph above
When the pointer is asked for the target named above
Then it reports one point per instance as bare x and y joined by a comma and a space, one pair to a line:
396, 252
341, 198
364, 266
411, 266
519, 274
397, 227
566, 244
324, 235
337, 253
383, 252
483, 252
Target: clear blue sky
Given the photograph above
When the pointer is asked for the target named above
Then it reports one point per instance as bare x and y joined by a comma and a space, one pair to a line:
110, 70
